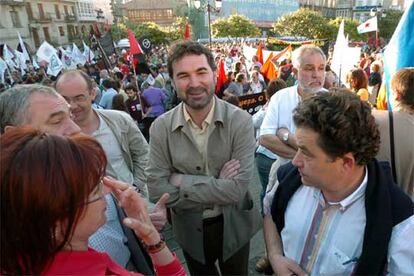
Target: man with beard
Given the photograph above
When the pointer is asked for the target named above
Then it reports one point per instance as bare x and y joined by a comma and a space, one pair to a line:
201, 153
277, 131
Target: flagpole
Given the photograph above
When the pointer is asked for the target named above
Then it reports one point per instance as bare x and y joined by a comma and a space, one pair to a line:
138, 89
106, 60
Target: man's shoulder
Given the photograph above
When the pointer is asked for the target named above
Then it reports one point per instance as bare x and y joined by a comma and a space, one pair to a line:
113, 114
231, 112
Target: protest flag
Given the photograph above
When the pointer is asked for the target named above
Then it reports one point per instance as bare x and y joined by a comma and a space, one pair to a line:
371, 25
339, 54
259, 52
8, 57
268, 69
221, 78
87, 53
187, 32
22, 48
77, 55
54, 66
138, 58
398, 54
45, 51
285, 54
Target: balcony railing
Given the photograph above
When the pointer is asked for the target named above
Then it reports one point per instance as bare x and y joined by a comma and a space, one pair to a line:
70, 18
45, 18
12, 2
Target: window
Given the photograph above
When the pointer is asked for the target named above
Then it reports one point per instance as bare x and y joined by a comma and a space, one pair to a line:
72, 9
57, 11
65, 8
41, 11
36, 37
61, 31
46, 32
29, 11
15, 19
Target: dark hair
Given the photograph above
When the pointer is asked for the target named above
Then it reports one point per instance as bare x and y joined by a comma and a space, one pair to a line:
240, 77
185, 48
274, 86
46, 179
359, 79
131, 86
344, 124
403, 81
118, 103
86, 77
108, 83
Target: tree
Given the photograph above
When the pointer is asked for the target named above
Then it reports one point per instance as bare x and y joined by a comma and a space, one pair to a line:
350, 28
152, 31
304, 22
235, 26
176, 30
387, 24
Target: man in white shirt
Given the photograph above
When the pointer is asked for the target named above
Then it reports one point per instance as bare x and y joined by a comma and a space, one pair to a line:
336, 210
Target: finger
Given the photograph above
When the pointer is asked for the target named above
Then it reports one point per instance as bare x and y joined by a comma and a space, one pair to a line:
162, 201
113, 183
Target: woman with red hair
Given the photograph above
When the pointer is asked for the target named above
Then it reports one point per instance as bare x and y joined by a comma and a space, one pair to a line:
358, 82
52, 200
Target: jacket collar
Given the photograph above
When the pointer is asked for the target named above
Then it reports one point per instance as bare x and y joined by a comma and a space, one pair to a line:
178, 119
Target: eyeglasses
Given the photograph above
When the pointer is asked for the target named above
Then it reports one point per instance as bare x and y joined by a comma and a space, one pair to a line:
97, 194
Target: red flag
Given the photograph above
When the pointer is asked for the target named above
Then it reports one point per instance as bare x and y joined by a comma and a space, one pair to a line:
221, 78
187, 32
288, 49
137, 54
268, 69
259, 52
134, 47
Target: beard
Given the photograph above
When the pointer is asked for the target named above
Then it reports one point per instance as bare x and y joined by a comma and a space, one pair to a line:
201, 103
310, 89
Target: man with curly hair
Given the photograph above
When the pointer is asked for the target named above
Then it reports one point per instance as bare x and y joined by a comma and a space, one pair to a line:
336, 210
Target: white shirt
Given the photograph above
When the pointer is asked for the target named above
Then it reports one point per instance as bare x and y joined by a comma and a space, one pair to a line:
279, 114
326, 238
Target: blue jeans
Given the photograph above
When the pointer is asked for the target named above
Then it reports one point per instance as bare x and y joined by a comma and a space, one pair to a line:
263, 164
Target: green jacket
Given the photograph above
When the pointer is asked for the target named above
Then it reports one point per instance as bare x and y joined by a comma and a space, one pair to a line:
172, 149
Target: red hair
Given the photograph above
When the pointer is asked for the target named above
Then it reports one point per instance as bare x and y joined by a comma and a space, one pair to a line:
46, 180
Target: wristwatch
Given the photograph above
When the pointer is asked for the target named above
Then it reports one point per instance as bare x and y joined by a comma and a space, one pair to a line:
285, 137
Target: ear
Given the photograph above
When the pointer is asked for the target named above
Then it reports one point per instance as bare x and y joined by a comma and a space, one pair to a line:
8, 128
397, 95
295, 72
348, 161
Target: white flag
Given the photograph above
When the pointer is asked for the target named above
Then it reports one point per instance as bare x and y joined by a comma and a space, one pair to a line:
21, 61
77, 55
88, 53
66, 59
8, 57
45, 51
338, 56
371, 25
23, 48
54, 66
3, 68
34, 62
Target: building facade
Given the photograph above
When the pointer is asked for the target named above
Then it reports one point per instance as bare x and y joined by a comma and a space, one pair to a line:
59, 22
158, 11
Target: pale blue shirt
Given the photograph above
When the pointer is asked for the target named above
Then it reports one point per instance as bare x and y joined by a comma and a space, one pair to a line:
325, 238
106, 99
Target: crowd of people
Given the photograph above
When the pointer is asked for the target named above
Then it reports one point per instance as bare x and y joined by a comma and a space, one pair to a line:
95, 162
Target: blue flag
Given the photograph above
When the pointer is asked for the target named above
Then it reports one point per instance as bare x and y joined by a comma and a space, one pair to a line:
399, 52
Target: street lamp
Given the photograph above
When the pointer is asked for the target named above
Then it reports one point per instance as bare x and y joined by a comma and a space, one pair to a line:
209, 9
378, 12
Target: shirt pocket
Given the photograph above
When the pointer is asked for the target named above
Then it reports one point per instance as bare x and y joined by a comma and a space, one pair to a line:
337, 263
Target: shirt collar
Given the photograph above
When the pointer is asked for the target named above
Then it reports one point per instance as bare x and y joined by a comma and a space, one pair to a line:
207, 121
349, 200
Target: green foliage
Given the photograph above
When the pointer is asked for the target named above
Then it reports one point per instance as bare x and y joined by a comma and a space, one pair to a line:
152, 31
176, 30
148, 29
387, 24
350, 28
235, 26
304, 22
